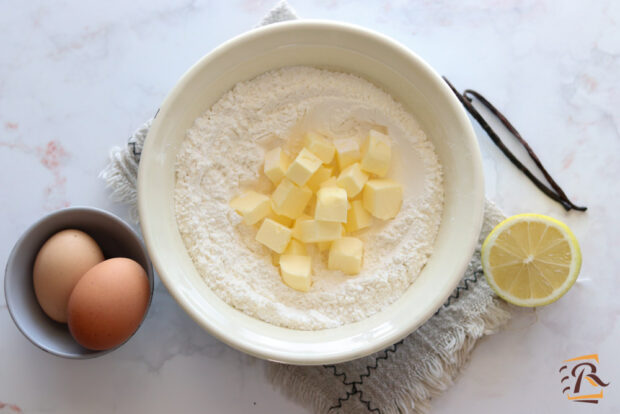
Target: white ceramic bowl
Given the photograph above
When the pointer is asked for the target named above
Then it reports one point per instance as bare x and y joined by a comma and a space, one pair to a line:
336, 46
114, 237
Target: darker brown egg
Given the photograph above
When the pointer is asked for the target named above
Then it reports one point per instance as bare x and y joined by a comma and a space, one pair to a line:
108, 304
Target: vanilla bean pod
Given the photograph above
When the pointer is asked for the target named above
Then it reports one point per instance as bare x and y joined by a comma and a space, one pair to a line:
555, 193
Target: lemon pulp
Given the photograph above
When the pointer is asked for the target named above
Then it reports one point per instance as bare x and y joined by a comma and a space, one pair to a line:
531, 259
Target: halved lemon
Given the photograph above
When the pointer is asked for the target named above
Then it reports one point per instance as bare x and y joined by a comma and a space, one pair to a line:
531, 259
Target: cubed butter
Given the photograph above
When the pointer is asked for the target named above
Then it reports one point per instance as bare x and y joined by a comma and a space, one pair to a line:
309, 210
319, 177
383, 198
345, 254
290, 200
323, 246
285, 221
376, 153
330, 182
331, 205
352, 179
357, 217
297, 226
320, 146
294, 247
276, 165
302, 168
347, 152
252, 206
296, 271
274, 235
314, 231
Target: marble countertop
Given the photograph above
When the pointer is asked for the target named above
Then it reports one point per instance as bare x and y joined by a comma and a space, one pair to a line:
78, 77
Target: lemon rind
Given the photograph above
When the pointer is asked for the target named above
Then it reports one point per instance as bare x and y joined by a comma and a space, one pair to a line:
575, 266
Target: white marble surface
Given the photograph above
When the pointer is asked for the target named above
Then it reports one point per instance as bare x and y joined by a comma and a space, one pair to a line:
78, 77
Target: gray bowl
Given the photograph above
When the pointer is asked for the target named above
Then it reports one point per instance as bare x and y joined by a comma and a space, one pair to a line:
115, 238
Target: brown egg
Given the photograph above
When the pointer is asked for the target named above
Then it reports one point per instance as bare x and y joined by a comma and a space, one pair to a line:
108, 303
62, 261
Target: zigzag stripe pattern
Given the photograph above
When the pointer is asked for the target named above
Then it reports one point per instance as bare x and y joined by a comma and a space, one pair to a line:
341, 400
338, 374
477, 274
367, 403
386, 354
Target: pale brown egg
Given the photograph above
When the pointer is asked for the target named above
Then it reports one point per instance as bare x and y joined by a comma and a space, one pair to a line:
108, 303
62, 261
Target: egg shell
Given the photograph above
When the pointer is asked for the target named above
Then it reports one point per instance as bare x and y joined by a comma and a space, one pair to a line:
60, 263
108, 303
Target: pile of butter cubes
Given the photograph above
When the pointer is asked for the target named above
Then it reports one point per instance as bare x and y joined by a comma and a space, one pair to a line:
330, 190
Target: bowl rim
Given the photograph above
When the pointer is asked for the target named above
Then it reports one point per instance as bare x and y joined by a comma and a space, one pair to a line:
241, 344
14, 251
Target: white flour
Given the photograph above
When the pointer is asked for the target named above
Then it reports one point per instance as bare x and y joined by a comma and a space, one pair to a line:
222, 156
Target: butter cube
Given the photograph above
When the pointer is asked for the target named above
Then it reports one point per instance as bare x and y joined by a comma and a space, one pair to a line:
314, 231
357, 217
347, 152
383, 198
309, 210
252, 206
289, 200
323, 246
319, 177
296, 271
331, 204
274, 235
283, 220
330, 182
352, 179
345, 254
376, 153
294, 247
297, 226
276, 164
302, 168
320, 146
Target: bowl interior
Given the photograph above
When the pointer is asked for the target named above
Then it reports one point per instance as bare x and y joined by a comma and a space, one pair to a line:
114, 237
338, 47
